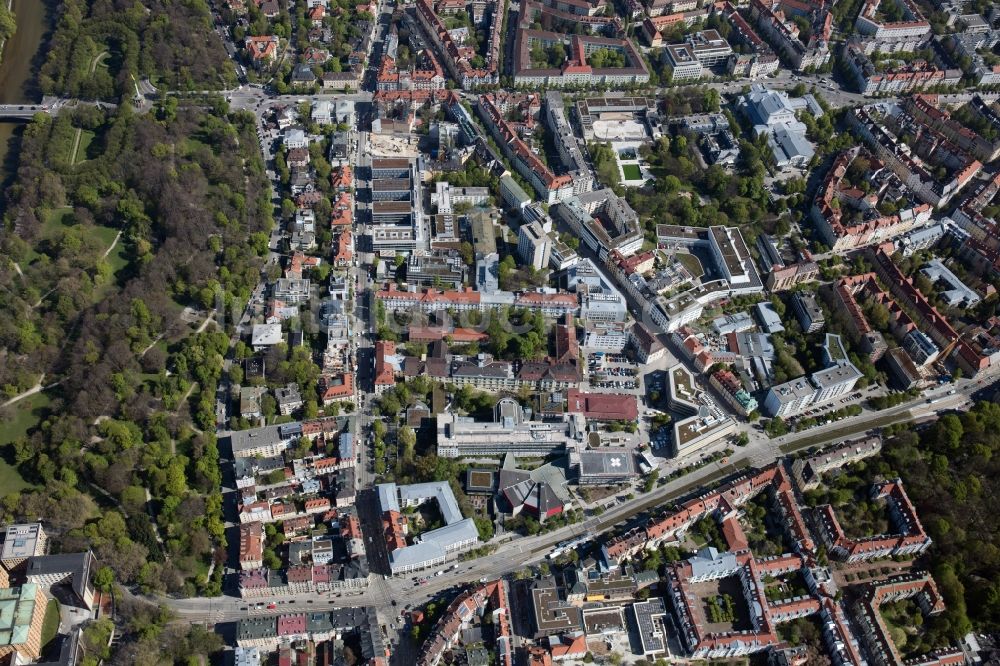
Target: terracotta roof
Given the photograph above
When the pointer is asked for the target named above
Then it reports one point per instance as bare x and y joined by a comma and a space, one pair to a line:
602, 406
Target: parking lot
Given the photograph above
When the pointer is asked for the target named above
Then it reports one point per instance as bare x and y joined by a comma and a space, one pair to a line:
612, 371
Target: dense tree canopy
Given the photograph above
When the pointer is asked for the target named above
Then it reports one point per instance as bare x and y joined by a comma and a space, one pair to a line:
100, 257
951, 472
100, 45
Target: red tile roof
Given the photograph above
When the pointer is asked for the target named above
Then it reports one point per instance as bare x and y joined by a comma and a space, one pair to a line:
603, 406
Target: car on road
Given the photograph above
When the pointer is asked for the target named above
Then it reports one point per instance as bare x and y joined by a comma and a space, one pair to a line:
272, 606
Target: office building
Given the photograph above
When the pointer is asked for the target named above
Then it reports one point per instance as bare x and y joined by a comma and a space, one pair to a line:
21, 542
462, 436
22, 613
431, 548
70, 569
533, 246
836, 379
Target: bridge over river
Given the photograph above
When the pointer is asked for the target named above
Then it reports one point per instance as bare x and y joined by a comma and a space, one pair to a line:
48, 105
21, 111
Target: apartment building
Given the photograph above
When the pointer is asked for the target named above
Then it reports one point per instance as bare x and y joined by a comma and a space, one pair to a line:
566, 143
908, 537
458, 58
913, 24
731, 389
783, 33
576, 70
550, 187
868, 124
603, 220
251, 545
916, 75
854, 220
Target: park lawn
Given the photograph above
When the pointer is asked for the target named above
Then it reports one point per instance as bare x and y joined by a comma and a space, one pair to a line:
632, 172
50, 625
86, 138
57, 219
53, 221
10, 479
117, 258
24, 415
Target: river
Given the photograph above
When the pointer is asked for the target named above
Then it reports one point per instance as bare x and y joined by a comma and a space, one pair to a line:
16, 82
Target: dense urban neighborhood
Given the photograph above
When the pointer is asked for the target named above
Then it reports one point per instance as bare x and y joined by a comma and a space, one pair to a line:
500, 332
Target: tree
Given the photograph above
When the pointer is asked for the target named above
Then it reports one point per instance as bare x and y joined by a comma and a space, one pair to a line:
104, 579
776, 427
268, 406
407, 439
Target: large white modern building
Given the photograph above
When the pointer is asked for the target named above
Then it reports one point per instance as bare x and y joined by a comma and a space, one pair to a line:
699, 422
731, 261
509, 432
431, 548
773, 113
837, 378
600, 301
397, 216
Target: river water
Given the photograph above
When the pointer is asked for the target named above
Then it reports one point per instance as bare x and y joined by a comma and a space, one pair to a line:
16, 81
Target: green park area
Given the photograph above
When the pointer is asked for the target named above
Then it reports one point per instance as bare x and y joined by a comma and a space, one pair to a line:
632, 171
17, 421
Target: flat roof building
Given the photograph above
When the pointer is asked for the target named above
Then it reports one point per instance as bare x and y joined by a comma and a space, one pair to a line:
650, 621
431, 548
533, 246
72, 569
836, 379
460, 436
551, 614
21, 542
604, 467
808, 311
